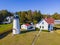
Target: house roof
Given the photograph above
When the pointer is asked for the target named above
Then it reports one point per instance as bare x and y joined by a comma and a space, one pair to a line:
49, 20
27, 24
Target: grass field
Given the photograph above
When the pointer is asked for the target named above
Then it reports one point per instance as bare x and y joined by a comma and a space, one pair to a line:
5, 28
45, 38
26, 37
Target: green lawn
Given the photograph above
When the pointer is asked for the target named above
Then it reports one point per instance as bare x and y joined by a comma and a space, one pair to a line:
5, 28
26, 37
48, 38
45, 38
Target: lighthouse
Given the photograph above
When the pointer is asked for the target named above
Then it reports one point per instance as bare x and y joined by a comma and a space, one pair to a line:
16, 25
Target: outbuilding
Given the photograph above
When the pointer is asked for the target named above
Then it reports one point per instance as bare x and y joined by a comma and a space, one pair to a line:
46, 24
28, 27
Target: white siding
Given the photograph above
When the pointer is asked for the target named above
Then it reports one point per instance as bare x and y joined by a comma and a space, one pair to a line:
16, 26
43, 24
23, 27
57, 22
27, 27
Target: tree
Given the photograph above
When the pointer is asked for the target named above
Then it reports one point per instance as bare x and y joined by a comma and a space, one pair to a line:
4, 14
29, 15
37, 16
56, 16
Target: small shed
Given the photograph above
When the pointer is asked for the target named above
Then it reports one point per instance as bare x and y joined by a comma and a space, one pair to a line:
27, 27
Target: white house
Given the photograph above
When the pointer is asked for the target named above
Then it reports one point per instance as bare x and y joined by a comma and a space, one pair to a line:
8, 20
28, 27
46, 24
57, 22
42, 25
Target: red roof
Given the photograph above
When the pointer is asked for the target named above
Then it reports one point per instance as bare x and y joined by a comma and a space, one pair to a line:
49, 20
27, 24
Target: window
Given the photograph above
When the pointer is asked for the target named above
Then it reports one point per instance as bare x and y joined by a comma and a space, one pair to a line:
42, 26
42, 22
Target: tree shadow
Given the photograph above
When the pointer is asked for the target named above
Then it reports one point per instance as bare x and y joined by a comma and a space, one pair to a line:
45, 30
8, 32
22, 32
56, 28
25, 31
5, 34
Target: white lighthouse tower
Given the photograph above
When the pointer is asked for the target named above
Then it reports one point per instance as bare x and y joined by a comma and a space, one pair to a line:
16, 25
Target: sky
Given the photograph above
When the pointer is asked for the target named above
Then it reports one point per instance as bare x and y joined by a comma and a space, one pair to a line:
45, 6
